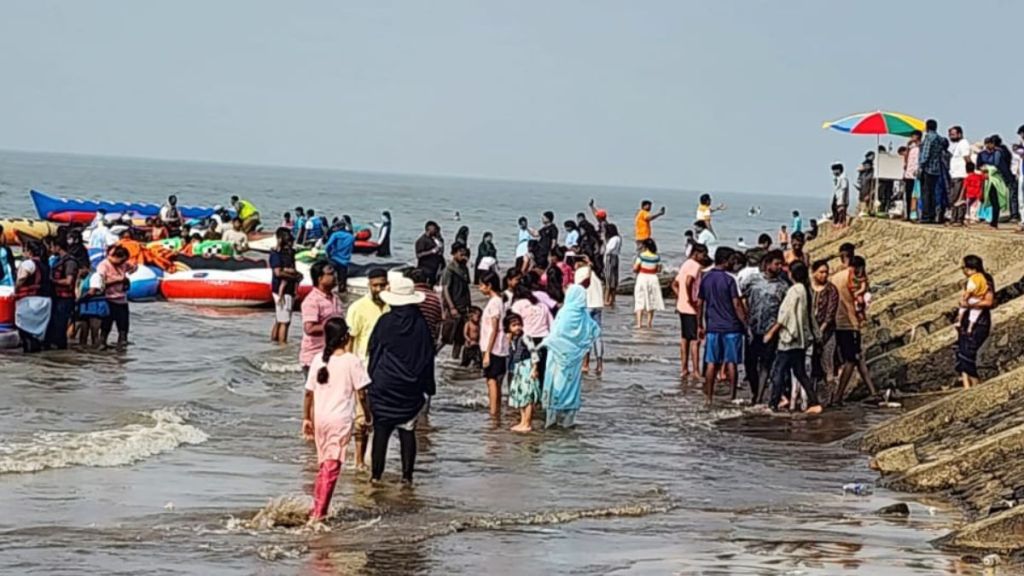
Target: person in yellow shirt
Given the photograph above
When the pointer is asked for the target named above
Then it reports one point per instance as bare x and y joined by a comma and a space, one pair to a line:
361, 318
642, 224
247, 212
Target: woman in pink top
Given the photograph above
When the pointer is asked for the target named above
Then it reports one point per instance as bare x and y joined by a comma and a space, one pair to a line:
536, 317
493, 342
336, 380
114, 271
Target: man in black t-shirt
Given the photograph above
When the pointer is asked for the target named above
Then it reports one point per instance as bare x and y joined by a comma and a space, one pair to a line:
456, 298
429, 257
284, 280
546, 240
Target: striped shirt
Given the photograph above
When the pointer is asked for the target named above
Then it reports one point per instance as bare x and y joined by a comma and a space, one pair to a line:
647, 263
431, 310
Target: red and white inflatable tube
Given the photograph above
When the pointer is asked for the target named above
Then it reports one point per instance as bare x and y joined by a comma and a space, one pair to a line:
219, 288
6, 306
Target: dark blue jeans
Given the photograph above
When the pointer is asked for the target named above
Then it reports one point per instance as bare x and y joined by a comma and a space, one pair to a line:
791, 362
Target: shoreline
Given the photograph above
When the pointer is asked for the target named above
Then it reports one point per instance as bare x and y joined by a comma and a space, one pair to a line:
961, 445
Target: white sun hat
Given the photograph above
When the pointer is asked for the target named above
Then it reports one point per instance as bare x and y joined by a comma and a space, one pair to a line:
401, 292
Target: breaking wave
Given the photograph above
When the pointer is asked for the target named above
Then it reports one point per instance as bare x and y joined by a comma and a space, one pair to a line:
101, 448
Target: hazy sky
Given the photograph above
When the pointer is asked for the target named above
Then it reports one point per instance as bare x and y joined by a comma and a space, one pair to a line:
708, 95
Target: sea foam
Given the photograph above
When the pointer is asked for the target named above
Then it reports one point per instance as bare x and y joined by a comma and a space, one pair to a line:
113, 447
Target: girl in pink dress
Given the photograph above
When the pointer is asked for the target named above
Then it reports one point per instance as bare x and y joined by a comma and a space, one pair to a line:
336, 381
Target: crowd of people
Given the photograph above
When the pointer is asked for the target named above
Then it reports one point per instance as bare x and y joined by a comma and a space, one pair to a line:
944, 180
61, 296
790, 322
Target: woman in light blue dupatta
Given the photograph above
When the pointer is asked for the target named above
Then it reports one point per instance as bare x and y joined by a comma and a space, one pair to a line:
572, 334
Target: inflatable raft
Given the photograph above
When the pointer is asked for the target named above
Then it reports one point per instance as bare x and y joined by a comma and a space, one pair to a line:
219, 288
9, 338
145, 284
6, 307
16, 227
365, 243
79, 210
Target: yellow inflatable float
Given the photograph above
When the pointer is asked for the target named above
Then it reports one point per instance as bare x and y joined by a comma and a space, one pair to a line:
32, 228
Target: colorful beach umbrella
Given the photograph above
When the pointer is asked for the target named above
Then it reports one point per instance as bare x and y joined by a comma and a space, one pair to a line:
877, 123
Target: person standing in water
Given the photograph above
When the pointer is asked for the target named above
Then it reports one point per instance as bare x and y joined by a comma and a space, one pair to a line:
763, 293
64, 279
547, 239
796, 331
848, 327
283, 284
486, 256
457, 299
642, 223
705, 211
429, 257
612, 250
572, 334
319, 306
647, 298
114, 271
721, 323
590, 280
334, 389
524, 385
362, 318
339, 249
402, 375
32, 299
431, 307
493, 342
685, 287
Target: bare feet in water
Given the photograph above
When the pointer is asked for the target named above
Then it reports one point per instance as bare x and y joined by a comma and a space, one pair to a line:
522, 428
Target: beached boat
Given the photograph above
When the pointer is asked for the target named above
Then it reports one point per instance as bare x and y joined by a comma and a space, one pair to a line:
14, 228
79, 210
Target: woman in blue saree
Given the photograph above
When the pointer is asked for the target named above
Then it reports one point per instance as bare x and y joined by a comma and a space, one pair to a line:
572, 334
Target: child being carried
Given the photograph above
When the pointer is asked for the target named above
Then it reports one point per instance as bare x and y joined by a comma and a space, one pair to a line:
974, 292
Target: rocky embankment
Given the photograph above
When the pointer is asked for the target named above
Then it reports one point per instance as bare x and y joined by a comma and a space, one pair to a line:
967, 445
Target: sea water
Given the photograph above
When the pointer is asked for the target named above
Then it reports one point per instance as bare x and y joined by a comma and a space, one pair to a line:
184, 455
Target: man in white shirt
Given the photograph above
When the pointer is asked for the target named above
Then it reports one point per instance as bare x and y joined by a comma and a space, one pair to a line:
171, 216
586, 277
706, 237
960, 154
236, 236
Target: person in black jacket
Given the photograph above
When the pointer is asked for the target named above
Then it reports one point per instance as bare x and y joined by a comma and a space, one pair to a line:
401, 368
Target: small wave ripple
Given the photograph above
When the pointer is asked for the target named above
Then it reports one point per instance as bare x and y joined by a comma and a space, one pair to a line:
128, 444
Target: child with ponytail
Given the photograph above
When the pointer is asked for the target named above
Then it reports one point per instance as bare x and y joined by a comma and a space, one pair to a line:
337, 380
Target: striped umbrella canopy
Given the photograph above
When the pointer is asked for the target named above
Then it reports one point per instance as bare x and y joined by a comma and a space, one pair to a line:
877, 123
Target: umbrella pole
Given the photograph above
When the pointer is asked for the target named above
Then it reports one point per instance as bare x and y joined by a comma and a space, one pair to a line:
874, 193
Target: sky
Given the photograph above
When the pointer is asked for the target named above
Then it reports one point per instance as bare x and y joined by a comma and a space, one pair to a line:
725, 95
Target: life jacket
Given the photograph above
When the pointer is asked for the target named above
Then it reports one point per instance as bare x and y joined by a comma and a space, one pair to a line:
57, 274
34, 287
314, 228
